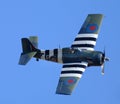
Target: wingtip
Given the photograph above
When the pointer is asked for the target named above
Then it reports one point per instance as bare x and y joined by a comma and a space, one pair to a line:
103, 74
62, 93
96, 14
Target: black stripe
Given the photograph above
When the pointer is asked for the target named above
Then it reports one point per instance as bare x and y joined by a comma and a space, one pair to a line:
55, 52
75, 65
83, 45
47, 54
71, 71
85, 38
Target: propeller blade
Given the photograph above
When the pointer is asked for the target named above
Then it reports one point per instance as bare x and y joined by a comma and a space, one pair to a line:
104, 51
107, 59
102, 69
103, 65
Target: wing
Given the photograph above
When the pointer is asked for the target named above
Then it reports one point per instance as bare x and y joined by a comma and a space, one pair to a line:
86, 38
70, 75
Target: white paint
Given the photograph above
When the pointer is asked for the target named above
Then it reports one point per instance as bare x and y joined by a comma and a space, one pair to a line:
80, 63
87, 35
81, 48
50, 53
60, 56
84, 42
73, 68
43, 56
71, 75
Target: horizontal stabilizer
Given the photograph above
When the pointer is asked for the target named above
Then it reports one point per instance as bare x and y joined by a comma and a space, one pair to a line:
24, 58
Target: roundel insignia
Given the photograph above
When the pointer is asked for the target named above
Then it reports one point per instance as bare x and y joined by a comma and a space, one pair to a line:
91, 28
70, 81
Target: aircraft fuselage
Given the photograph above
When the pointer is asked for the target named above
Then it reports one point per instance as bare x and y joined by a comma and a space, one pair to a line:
71, 55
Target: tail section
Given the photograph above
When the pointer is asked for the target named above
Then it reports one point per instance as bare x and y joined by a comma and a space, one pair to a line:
29, 47
34, 41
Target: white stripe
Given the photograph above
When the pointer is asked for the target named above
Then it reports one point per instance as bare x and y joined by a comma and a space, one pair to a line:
73, 68
60, 56
72, 63
84, 63
84, 42
87, 48
71, 75
81, 63
87, 35
51, 53
43, 56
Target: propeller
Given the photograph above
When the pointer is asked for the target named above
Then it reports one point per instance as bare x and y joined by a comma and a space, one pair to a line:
104, 59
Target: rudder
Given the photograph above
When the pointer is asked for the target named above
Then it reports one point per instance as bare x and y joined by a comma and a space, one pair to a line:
28, 51
27, 46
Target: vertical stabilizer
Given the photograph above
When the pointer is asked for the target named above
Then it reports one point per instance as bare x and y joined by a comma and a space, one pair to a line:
29, 50
34, 41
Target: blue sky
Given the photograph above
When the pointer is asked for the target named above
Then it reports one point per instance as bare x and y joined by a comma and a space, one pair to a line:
56, 22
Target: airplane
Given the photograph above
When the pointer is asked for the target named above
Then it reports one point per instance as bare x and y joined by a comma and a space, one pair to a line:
75, 59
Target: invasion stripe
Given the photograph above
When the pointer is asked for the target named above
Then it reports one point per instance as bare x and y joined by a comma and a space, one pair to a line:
55, 52
86, 48
85, 38
73, 68
71, 75
60, 60
83, 45
75, 65
87, 35
78, 63
84, 42
47, 54
71, 71
51, 53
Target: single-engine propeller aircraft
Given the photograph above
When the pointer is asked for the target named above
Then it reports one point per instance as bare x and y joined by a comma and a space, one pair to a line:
75, 59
